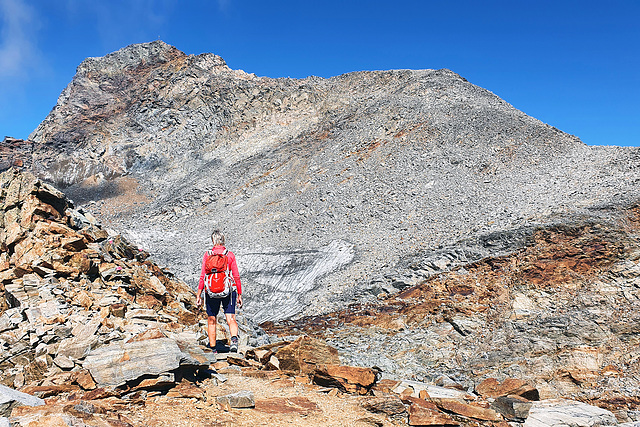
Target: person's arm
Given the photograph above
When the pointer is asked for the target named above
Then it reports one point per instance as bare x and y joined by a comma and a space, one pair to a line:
233, 265
201, 282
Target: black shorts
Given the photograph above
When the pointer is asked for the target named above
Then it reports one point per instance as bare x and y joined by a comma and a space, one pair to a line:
213, 304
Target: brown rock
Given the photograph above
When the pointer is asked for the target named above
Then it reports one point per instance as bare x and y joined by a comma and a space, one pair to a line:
85, 380
149, 334
118, 310
351, 379
386, 385
467, 410
74, 244
492, 388
424, 416
186, 389
261, 355
241, 361
305, 354
82, 299
49, 390
148, 301
287, 405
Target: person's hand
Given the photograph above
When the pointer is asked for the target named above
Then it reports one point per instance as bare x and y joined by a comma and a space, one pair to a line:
198, 301
239, 301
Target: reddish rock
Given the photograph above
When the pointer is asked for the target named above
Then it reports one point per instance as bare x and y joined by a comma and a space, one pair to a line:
424, 416
85, 380
492, 388
351, 379
305, 354
149, 334
118, 310
386, 385
287, 405
43, 391
186, 389
467, 410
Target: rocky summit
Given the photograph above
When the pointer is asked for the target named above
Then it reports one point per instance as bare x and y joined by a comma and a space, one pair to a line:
413, 246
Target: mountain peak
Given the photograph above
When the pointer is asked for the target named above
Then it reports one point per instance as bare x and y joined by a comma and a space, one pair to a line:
147, 54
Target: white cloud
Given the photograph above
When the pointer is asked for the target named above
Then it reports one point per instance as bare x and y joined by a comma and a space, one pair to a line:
17, 38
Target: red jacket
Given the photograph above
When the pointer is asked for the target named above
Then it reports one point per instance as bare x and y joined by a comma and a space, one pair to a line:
232, 265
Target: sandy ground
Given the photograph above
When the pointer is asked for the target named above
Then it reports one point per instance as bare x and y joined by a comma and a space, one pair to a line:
279, 402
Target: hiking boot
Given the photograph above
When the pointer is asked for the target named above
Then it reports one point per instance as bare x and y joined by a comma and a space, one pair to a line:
233, 348
213, 349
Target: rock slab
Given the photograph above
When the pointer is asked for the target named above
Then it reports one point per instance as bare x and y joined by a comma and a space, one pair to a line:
561, 413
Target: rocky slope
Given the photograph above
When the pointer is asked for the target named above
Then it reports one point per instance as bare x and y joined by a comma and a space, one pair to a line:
415, 221
327, 188
110, 339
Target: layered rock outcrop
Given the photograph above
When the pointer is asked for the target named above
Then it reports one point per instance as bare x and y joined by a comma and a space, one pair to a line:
81, 309
561, 313
342, 183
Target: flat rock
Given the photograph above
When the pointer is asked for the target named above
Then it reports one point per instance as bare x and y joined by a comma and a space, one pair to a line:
115, 364
287, 405
561, 412
467, 410
241, 399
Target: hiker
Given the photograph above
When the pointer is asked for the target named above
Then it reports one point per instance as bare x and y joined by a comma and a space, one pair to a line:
222, 259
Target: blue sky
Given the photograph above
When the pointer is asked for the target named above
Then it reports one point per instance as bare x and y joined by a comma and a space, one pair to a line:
572, 64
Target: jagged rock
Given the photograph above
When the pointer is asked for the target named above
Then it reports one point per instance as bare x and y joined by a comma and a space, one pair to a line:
512, 408
424, 390
10, 398
351, 379
492, 388
561, 412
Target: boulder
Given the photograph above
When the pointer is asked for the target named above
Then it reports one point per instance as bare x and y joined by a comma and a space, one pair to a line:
305, 354
561, 412
512, 407
117, 363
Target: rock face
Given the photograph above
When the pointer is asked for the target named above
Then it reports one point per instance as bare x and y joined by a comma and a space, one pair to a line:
329, 190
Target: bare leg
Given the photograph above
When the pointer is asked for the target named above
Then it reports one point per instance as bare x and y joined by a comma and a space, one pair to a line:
211, 330
233, 325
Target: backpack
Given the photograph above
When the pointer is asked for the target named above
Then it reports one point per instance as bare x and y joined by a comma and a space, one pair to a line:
218, 279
